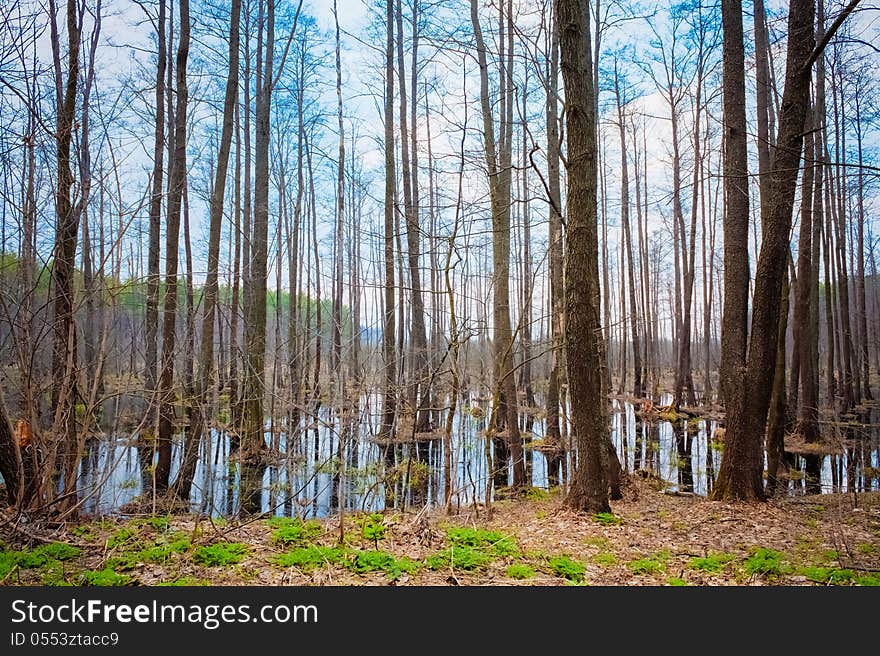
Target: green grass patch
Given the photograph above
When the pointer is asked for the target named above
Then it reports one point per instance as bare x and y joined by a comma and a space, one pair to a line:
37, 558
607, 519
292, 530
374, 561
536, 493
184, 581
163, 550
712, 563
373, 527
53, 575
598, 541
767, 562
866, 548
653, 564
220, 554
829, 575
604, 559
478, 538
104, 578
676, 582
567, 568
123, 537
521, 571
869, 579
157, 523
458, 557
310, 557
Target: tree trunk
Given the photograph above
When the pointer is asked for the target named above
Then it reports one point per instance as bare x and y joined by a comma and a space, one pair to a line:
200, 424
252, 438
389, 402
734, 326
169, 311
556, 449
628, 242
498, 162
151, 329
589, 490
66, 232
740, 476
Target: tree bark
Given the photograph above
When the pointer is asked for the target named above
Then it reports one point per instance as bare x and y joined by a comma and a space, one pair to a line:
740, 476
498, 163
628, 242
589, 490
200, 424
389, 402
66, 232
166, 394
556, 449
734, 320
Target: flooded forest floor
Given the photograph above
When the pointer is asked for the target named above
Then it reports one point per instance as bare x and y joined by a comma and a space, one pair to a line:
655, 538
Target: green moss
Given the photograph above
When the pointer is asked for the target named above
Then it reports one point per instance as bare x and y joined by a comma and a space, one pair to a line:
713, 562
599, 541
604, 559
567, 568
869, 579
652, 564
607, 519
458, 557
676, 582
105, 578
828, 575
373, 527
866, 548
84, 531
220, 554
374, 561
521, 571
536, 494
163, 550
53, 574
123, 537
37, 558
767, 562
56, 551
310, 557
478, 538
184, 581
292, 530
158, 523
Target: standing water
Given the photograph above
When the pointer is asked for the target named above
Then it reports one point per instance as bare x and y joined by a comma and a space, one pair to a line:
302, 477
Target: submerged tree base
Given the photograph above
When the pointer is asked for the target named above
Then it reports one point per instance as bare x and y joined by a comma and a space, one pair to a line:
659, 539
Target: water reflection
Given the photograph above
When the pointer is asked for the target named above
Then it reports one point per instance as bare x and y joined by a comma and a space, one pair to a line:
305, 478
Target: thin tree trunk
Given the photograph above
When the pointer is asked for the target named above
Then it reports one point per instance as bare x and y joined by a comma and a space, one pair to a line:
388, 347
628, 243
183, 484
555, 448
498, 161
172, 242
